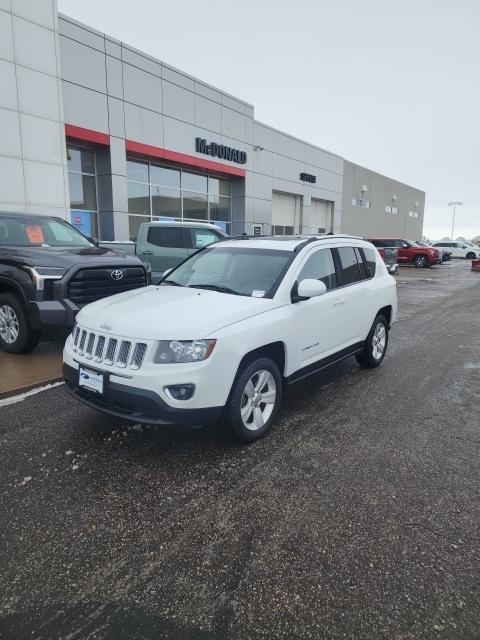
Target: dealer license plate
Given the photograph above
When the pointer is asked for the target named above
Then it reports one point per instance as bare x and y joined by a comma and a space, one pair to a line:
90, 380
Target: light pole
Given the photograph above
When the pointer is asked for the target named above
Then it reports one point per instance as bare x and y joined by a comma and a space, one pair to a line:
454, 205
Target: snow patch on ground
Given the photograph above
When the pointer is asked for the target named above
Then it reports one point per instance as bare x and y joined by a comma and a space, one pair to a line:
27, 394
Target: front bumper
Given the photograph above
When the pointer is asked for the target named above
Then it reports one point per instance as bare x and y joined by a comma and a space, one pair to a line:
137, 405
55, 312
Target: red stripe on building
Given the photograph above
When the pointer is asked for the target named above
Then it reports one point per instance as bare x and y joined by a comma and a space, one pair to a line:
87, 135
182, 159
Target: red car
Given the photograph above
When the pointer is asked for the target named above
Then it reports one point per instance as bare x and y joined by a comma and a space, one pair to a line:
409, 252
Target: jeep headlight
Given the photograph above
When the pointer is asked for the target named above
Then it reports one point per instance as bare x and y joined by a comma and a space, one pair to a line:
169, 351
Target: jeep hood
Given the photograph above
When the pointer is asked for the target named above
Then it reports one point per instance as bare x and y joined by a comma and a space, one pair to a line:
169, 313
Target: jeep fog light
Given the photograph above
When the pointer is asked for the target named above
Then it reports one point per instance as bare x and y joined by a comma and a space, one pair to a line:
180, 391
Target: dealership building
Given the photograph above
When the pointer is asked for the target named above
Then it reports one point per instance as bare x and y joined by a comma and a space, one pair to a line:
108, 137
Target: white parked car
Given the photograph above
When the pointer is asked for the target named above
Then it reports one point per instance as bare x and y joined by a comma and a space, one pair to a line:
460, 249
227, 329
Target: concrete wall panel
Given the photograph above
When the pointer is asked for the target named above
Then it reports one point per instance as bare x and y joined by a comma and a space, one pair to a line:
83, 65
34, 46
80, 33
142, 125
178, 136
10, 144
233, 124
11, 185
114, 77
208, 114
176, 77
38, 93
40, 11
116, 117
42, 140
44, 184
142, 88
8, 84
178, 102
85, 108
143, 62
6, 36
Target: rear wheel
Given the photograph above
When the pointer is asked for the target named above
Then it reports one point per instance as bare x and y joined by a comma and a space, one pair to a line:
255, 400
375, 345
420, 261
470, 255
16, 334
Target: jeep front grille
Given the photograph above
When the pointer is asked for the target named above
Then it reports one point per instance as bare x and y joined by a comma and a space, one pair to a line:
109, 351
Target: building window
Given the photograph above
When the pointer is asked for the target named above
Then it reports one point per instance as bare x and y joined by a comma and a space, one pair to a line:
280, 230
158, 192
413, 214
360, 202
391, 209
83, 189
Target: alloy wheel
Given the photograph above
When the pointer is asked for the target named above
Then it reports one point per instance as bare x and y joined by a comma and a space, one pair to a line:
9, 324
379, 341
258, 400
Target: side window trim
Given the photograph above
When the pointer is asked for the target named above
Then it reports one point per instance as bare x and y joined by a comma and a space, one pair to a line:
188, 238
361, 263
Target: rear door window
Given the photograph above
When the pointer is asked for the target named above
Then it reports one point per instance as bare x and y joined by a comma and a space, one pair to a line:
173, 237
350, 268
370, 262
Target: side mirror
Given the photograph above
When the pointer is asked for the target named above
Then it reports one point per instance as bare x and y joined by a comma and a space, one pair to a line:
93, 241
309, 288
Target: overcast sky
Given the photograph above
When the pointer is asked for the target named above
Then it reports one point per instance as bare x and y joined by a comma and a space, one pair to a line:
389, 84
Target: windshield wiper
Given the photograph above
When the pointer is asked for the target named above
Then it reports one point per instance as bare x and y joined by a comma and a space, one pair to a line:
216, 287
172, 282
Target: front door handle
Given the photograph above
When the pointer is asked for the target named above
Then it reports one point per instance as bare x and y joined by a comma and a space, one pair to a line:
147, 253
339, 301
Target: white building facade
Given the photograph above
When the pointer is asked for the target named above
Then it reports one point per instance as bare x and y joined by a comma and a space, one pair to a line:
108, 137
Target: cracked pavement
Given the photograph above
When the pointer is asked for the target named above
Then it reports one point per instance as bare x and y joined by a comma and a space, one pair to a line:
357, 517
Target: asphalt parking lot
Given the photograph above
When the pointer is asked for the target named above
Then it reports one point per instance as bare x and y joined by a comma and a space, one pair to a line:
357, 517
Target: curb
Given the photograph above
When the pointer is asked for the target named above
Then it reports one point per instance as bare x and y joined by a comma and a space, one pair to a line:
28, 387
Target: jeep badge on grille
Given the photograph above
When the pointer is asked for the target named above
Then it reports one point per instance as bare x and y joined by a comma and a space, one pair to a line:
116, 274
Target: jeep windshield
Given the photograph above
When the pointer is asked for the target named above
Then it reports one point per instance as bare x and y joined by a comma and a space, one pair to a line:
234, 270
39, 231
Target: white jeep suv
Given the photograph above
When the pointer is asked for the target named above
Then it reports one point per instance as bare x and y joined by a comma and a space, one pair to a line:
225, 331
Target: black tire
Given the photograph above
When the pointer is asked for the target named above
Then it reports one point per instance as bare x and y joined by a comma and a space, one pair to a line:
367, 357
232, 415
27, 338
421, 262
470, 255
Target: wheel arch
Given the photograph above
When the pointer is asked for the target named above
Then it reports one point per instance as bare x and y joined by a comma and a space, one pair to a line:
387, 313
10, 286
276, 351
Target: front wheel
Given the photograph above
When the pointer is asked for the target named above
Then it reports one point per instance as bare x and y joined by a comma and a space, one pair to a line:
375, 346
255, 400
470, 255
16, 334
420, 261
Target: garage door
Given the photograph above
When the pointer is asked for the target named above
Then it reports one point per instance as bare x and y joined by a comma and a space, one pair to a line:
285, 213
320, 216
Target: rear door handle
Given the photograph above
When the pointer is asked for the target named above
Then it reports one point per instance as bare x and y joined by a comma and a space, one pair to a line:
339, 301
147, 253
